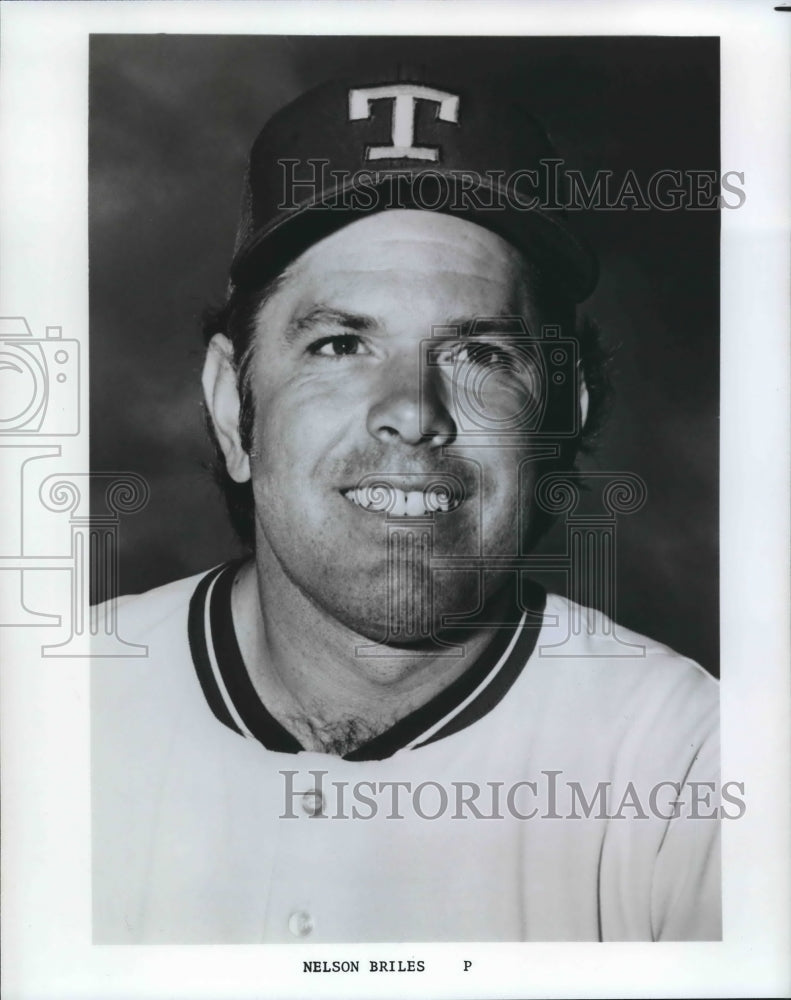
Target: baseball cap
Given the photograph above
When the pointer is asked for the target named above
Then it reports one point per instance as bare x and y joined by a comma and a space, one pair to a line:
347, 148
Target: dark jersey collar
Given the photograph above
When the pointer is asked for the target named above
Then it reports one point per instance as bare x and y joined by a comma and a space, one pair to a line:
232, 698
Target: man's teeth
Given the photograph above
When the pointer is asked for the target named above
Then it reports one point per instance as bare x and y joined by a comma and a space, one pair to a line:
399, 503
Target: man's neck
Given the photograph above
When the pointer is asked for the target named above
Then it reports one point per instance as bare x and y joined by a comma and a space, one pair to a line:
307, 670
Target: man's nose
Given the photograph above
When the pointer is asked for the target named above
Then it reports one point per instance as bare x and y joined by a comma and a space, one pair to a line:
409, 407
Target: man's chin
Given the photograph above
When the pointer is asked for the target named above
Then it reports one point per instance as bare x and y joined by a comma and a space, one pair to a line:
409, 619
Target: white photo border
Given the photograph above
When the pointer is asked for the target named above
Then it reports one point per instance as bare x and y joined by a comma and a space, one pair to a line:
45, 712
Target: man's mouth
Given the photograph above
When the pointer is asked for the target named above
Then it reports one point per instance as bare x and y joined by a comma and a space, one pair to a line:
385, 498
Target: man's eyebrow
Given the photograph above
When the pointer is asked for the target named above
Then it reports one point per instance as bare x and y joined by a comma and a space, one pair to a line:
323, 316
480, 326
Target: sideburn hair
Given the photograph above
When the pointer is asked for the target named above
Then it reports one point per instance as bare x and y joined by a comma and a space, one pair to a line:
237, 319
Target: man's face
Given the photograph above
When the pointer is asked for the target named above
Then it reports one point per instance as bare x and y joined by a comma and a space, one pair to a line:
361, 473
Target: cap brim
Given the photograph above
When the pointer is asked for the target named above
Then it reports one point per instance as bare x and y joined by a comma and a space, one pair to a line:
543, 237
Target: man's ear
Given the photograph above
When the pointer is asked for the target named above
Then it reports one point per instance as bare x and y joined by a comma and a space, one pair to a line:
584, 400
222, 402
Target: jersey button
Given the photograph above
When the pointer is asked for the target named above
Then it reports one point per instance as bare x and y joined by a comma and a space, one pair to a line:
313, 802
300, 923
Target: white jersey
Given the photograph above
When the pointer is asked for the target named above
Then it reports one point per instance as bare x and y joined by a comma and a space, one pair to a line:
531, 800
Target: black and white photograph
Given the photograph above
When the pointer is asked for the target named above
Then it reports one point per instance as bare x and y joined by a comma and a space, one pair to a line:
394, 490
408, 380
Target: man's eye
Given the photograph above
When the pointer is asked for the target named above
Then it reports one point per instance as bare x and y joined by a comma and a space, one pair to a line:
340, 346
477, 352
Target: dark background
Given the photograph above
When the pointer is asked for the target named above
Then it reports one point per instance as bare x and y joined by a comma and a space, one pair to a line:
171, 121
